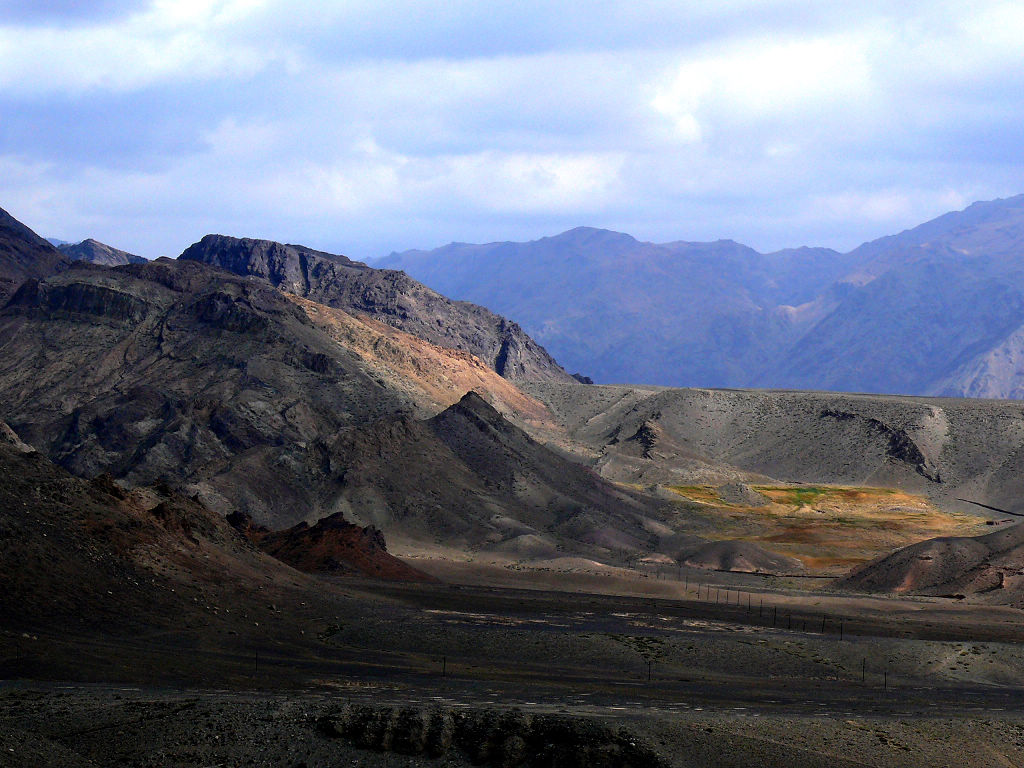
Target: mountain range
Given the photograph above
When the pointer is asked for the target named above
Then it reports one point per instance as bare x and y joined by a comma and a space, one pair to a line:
215, 375
935, 310
320, 399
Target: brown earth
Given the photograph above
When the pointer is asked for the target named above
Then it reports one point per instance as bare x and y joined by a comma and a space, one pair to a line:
828, 529
332, 546
990, 566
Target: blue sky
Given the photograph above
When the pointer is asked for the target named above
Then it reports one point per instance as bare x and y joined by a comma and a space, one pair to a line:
361, 127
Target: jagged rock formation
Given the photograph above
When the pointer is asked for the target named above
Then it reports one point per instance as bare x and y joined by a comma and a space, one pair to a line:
389, 296
332, 546
24, 256
96, 252
991, 566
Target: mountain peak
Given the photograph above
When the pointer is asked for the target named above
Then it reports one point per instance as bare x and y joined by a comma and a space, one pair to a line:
390, 296
24, 255
591, 236
95, 252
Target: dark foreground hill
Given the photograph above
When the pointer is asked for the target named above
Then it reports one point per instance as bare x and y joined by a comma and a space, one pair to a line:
91, 564
386, 295
935, 310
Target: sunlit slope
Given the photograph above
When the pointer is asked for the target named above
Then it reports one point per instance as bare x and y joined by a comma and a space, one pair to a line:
828, 528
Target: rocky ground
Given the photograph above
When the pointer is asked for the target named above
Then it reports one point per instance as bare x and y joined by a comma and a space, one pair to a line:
752, 672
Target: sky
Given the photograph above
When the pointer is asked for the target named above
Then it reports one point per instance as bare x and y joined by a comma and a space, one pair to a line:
364, 127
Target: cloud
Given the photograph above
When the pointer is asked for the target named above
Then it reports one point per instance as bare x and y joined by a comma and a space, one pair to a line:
363, 127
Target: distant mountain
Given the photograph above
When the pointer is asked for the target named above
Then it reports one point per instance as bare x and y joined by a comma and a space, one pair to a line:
938, 309
96, 252
24, 255
386, 295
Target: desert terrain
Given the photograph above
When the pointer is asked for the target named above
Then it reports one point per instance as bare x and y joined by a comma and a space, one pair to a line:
264, 505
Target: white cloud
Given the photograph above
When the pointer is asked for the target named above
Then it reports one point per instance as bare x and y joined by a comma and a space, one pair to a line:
172, 41
409, 123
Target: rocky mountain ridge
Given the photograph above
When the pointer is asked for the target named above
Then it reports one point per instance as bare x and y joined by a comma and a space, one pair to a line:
257, 401
24, 255
389, 296
935, 310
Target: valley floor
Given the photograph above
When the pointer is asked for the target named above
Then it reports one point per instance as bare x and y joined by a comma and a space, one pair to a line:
749, 673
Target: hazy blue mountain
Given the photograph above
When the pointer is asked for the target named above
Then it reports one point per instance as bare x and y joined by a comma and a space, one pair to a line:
938, 309
621, 310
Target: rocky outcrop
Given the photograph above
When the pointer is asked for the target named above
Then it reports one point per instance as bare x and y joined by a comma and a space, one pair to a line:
389, 296
491, 737
95, 252
332, 546
10, 438
80, 298
899, 445
742, 495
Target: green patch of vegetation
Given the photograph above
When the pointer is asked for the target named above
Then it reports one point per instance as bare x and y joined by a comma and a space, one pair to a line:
702, 493
804, 494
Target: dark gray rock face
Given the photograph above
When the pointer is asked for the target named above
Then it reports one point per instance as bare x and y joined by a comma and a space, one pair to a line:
24, 255
221, 386
96, 252
177, 372
386, 295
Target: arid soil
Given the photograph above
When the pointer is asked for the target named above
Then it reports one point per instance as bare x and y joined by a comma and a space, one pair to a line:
827, 529
943, 448
502, 676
